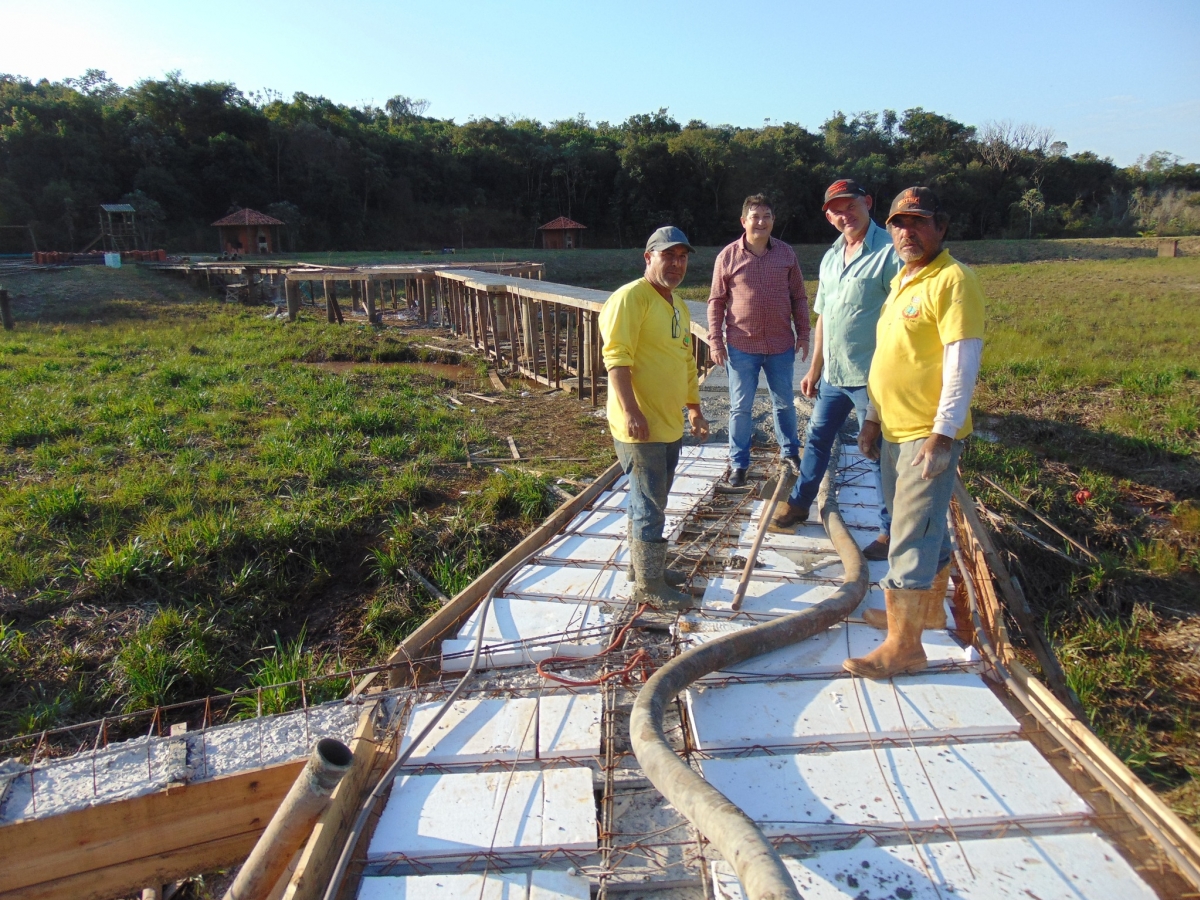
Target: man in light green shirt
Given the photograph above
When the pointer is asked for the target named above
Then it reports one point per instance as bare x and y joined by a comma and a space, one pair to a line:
856, 275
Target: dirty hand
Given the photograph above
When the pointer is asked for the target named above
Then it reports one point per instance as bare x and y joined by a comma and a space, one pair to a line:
636, 425
698, 423
868, 440
808, 384
934, 456
719, 357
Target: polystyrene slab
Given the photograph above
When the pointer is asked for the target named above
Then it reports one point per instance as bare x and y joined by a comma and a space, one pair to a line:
804, 713
582, 548
704, 451
1048, 867
587, 583
701, 468
824, 653
447, 815
549, 884
519, 619
773, 597
810, 538
843, 791
764, 597
678, 504
569, 725
476, 730
690, 485
560, 628
856, 495
477, 886
614, 523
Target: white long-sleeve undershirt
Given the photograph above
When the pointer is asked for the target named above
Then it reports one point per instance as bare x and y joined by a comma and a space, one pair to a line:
960, 369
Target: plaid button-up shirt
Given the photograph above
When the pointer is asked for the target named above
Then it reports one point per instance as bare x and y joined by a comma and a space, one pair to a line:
756, 301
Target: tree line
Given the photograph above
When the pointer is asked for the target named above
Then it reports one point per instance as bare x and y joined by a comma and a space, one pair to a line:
370, 178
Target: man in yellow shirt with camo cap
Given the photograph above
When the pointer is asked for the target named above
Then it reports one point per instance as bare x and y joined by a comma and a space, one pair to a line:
651, 378
929, 342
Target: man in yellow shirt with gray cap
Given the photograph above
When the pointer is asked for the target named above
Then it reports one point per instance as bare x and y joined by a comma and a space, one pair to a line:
928, 346
651, 378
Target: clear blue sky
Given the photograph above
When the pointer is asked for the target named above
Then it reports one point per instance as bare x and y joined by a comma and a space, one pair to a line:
1121, 79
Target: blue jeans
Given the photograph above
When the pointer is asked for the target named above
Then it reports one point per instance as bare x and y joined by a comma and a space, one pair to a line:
651, 470
920, 545
743, 369
830, 411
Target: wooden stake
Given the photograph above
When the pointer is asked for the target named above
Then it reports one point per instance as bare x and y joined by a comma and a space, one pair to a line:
496, 382
512, 448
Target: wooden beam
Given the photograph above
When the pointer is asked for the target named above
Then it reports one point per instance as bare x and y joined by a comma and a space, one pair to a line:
113, 849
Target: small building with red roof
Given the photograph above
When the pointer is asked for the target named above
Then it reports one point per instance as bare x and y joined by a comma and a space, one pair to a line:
562, 234
248, 231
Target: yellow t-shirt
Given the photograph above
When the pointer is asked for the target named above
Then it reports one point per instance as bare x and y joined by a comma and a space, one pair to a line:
655, 340
943, 303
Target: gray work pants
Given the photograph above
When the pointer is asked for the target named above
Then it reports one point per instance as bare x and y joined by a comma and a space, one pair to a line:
920, 544
651, 470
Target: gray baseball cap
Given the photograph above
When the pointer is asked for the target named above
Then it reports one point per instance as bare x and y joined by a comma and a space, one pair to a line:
666, 237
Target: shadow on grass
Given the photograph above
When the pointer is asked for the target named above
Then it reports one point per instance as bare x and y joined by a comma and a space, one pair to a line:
1119, 456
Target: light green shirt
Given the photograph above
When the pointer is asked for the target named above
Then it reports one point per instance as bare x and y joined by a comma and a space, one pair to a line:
849, 298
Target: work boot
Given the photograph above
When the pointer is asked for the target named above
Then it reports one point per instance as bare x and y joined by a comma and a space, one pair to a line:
935, 605
901, 651
877, 550
737, 477
649, 561
789, 514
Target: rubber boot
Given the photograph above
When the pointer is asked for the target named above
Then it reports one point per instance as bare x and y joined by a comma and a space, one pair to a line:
901, 651
649, 561
673, 577
935, 605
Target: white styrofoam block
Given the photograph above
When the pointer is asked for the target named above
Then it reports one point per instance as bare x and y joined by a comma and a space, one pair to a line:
558, 628
586, 582
582, 548
764, 597
810, 538
569, 725
476, 730
569, 809
614, 523
477, 886
860, 517
825, 793
854, 494
677, 504
780, 562
449, 815
1049, 867
941, 647
683, 484
519, 619
551, 884
704, 451
821, 711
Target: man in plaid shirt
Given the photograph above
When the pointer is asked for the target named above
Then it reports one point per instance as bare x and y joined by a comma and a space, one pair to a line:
758, 322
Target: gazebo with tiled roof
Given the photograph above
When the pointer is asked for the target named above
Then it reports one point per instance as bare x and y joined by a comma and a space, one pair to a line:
562, 234
249, 231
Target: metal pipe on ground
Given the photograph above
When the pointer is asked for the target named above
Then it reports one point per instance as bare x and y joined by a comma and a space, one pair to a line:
292, 823
735, 835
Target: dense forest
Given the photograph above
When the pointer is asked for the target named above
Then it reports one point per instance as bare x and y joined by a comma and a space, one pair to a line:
348, 178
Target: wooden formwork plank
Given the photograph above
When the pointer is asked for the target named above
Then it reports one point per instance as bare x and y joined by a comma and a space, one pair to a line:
115, 848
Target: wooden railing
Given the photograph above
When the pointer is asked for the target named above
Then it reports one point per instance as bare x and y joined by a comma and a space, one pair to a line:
546, 332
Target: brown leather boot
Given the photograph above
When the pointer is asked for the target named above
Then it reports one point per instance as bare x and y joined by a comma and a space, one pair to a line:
901, 651
789, 515
935, 608
877, 550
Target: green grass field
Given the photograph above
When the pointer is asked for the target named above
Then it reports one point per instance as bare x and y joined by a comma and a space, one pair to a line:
189, 504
